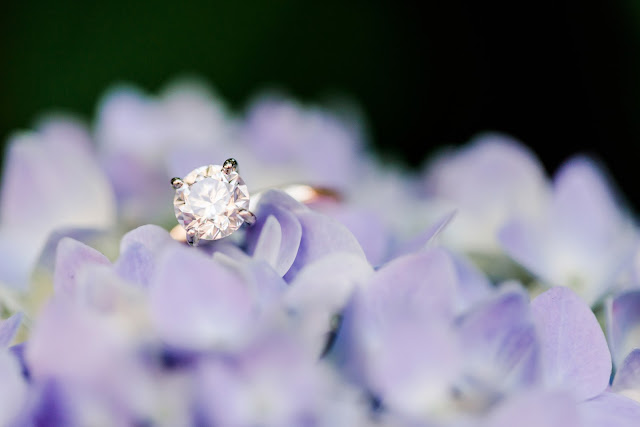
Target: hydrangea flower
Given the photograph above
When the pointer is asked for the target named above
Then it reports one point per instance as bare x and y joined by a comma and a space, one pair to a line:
375, 310
584, 239
51, 181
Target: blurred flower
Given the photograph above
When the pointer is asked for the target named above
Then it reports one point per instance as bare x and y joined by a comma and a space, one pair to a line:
51, 181
584, 238
488, 182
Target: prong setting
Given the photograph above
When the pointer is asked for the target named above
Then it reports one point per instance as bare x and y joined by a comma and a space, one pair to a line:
177, 183
248, 217
230, 165
192, 237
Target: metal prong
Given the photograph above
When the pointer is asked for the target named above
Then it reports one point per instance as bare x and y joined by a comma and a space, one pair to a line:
230, 165
248, 216
177, 183
192, 237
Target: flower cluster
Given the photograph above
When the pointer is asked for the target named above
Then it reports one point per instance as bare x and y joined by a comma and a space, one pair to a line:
476, 292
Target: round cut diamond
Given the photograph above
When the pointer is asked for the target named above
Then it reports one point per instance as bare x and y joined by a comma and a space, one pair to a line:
210, 202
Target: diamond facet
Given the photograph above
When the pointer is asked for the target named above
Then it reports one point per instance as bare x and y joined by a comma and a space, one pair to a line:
210, 202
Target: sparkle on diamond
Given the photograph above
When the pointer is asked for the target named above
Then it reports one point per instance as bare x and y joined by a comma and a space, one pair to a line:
210, 202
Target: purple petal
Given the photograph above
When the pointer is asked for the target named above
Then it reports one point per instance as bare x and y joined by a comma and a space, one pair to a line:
321, 235
8, 329
46, 162
396, 336
266, 285
13, 389
136, 264
198, 303
139, 249
623, 324
272, 382
368, 228
51, 406
268, 245
575, 355
583, 203
150, 236
410, 363
610, 409
428, 237
129, 121
19, 257
473, 285
88, 236
280, 247
536, 408
525, 244
71, 257
628, 374
583, 240
70, 341
282, 132
498, 166
328, 282
499, 340
491, 180
321, 290
424, 282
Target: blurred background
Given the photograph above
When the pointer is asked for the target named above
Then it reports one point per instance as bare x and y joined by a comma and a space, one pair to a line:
562, 76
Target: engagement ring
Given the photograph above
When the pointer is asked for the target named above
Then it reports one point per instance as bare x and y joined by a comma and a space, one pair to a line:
211, 202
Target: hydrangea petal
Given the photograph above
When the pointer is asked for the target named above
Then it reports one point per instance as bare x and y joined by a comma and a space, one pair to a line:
9, 329
321, 290
428, 237
280, 207
13, 388
328, 282
582, 240
488, 182
266, 286
139, 250
583, 203
421, 282
407, 361
273, 382
150, 236
627, 379
136, 264
499, 340
269, 243
574, 354
197, 303
72, 256
46, 162
473, 285
72, 342
373, 235
396, 336
623, 324
523, 243
536, 408
610, 409
321, 235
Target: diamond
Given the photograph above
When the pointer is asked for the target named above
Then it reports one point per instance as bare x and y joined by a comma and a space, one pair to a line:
210, 202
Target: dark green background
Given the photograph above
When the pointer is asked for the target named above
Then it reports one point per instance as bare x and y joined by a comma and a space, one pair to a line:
563, 76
